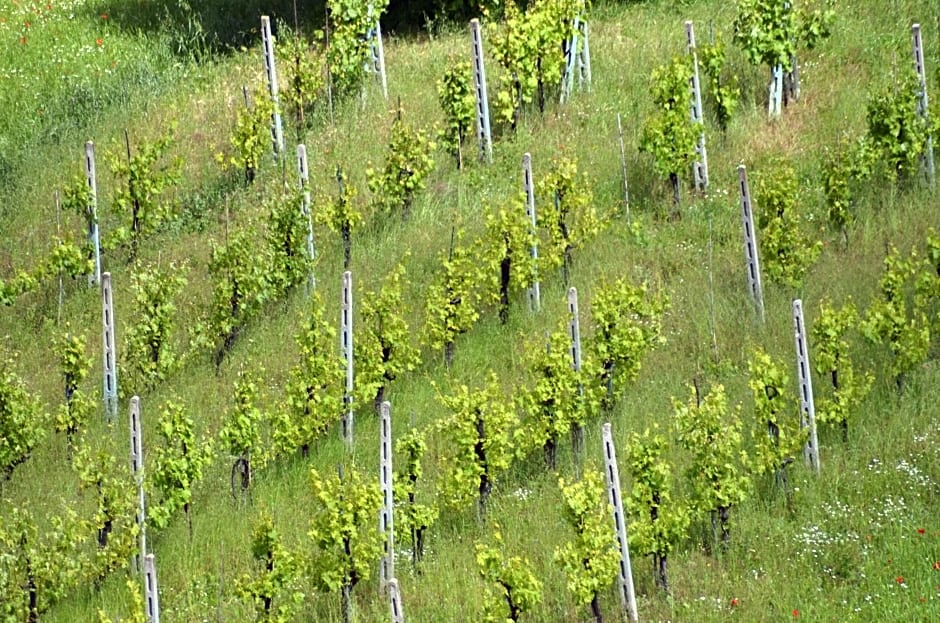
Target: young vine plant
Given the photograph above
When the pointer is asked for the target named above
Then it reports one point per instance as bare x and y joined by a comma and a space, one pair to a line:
512, 589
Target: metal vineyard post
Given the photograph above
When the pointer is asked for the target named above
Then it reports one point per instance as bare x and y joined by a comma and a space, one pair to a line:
386, 515
110, 356
482, 102
627, 592
922, 110
92, 212
377, 51
137, 470
346, 351
805, 382
750, 243
151, 593
700, 165
394, 594
304, 175
277, 131
535, 296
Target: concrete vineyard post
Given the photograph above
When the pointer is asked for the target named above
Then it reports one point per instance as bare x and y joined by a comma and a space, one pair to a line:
535, 296
137, 470
611, 471
91, 212
700, 164
304, 176
623, 169
377, 52
386, 515
572, 55
750, 243
110, 355
394, 595
346, 351
484, 138
922, 110
805, 381
270, 72
151, 593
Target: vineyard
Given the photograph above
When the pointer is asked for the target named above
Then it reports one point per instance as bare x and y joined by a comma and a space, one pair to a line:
552, 311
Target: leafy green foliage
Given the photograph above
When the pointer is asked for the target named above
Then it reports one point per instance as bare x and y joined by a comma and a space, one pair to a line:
506, 244
516, 590
627, 325
408, 162
453, 299
274, 591
241, 286
591, 559
383, 348
144, 180
344, 530
410, 450
832, 360
66, 259
778, 438
711, 432
252, 136
304, 79
21, 420
74, 364
349, 49
657, 522
314, 396
721, 85
455, 94
842, 168
341, 215
786, 254
893, 319
147, 351
287, 229
566, 212
552, 401
669, 135
480, 444
39, 568
136, 613
764, 30
178, 464
241, 432
113, 521
896, 133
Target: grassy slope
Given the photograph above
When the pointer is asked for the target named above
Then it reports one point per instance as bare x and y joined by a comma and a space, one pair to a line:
769, 569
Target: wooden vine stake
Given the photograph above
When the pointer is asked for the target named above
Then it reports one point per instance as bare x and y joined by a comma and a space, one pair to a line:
151, 593
805, 381
304, 176
394, 596
386, 515
137, 470
91, 212
750, 243
377, 51
484, 138
700, 164
535, 296
611, 471
574, 331
270, 73
110, 354
922, 110
346, 352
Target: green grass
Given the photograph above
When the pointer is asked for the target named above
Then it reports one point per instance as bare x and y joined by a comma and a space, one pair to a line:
837, 554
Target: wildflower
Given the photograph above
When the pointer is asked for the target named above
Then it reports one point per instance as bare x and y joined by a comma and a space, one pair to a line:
796, 612
734, 602
921, 531
98, 41
899, 579
936, 566
104, 16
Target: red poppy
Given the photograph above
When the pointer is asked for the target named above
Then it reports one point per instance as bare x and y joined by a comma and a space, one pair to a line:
104, 16
936, 566
921, 531
734, 602
99, 42
796, 612
899, 579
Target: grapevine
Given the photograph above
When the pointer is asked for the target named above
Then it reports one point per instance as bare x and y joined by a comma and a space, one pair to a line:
72, 416
517, 590
21, 426
418, 518
274, 591
455, 94
408, 163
